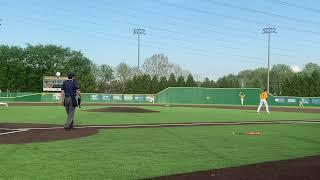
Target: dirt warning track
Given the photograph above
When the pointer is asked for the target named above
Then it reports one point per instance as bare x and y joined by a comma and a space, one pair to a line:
296, 169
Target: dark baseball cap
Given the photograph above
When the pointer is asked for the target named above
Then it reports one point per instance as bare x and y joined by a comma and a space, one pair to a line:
71, 75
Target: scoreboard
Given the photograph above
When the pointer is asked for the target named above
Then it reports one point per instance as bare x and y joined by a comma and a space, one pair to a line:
53, 83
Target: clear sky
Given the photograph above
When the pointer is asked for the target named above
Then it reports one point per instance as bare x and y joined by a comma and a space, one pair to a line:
208, 37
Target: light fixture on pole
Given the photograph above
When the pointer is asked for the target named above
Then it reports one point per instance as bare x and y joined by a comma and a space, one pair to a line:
269, 31
139, 32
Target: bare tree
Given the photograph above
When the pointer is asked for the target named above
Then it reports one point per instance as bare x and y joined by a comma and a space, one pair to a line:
178, 71
123, 72
158, 65
105, 74
135, 71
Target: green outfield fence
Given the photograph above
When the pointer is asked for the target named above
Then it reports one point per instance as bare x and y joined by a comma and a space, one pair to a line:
294, 101
196, 95
226, 96
14, 94
171, 95
86, 97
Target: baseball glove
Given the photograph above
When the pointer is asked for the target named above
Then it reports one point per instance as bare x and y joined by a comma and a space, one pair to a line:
79, 102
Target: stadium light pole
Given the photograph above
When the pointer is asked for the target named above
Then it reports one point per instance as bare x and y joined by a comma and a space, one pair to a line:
6, 66
269, 31
139, 32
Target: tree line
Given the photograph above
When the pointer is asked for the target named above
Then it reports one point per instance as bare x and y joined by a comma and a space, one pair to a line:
22, 69
147, 84
283, 80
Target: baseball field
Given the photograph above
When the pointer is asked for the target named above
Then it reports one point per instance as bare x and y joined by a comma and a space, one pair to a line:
161, 142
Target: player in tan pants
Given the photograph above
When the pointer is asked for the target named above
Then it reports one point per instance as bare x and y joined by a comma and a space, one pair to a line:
242, 96
263, 100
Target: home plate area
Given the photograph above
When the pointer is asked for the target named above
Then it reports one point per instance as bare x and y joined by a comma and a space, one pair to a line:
30, 133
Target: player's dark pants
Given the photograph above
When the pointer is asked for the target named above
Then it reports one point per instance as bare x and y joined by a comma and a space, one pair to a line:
70, 109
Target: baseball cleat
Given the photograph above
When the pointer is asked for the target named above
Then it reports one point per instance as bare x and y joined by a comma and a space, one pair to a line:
66, 127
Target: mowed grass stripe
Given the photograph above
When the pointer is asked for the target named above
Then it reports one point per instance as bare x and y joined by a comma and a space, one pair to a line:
142, 153
56, 115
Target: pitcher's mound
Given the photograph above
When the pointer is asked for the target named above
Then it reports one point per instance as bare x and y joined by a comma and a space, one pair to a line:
123, 110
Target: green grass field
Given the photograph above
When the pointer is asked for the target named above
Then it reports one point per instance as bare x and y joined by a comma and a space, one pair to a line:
143, 153
56, 115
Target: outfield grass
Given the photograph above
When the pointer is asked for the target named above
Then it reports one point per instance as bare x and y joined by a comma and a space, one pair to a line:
141, 153
56, 115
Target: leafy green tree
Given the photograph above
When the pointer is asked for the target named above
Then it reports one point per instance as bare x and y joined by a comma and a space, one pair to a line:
132, 86
213, 84
298, 85
315, 84
154, 85
190, 81
259, 79
245, 77
206, 83
278, 74
181, 82
229, 81
310, 68
163, 83
145, 84
286, 88
14, 74
172, 82
43, 60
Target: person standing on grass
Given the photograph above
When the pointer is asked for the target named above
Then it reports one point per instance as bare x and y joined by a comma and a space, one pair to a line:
242, 96
263, 100
69, 91
301, 103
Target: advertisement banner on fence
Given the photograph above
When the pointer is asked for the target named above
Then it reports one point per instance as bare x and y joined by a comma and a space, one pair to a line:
56, 96
117, 97
292, 100
280, 100
305, 100
315, 101
106, 97
139, 98
128, 97
94, 97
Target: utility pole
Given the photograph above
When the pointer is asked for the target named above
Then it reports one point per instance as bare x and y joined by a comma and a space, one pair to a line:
139, 32
269, 31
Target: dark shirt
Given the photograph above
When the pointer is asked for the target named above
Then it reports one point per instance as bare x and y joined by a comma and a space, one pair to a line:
70, 88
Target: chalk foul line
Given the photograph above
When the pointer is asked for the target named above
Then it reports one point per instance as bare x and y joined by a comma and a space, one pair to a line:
14, 131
